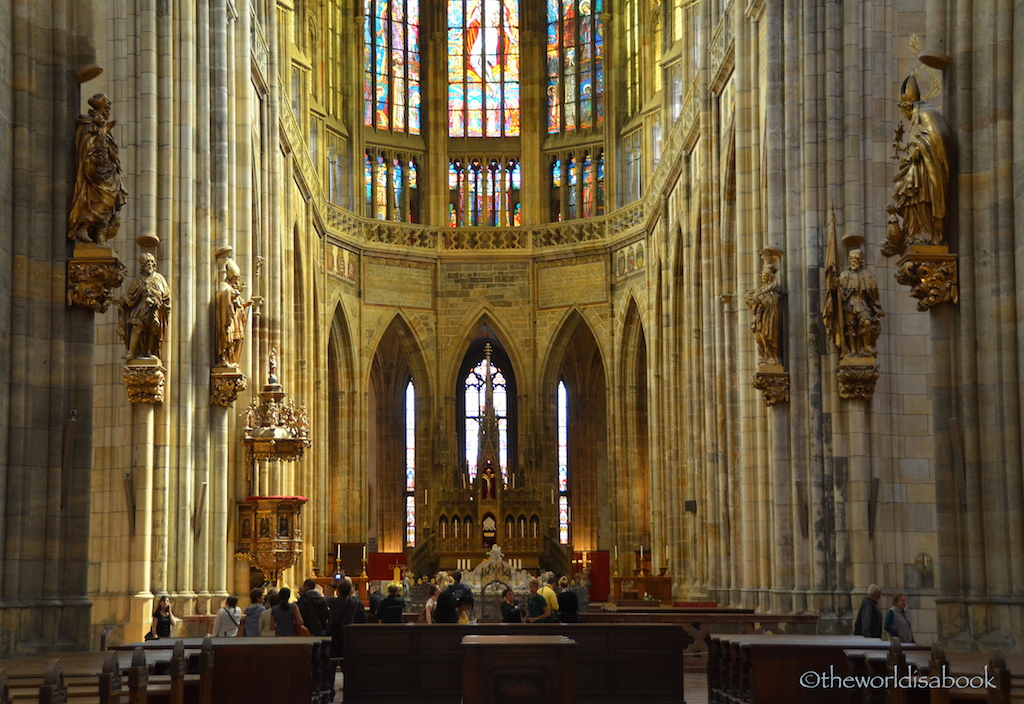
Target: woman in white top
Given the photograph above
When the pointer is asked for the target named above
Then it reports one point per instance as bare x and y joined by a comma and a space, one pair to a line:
428, 609
228, 618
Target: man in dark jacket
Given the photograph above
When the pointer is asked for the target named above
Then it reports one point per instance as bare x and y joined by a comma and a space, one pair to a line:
392, 606
869, 618
313, 608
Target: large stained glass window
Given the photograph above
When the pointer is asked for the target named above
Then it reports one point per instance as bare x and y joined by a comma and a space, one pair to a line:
391, 59
483, 68
575, 65
476, 406
484, 192
563, 463
410, 464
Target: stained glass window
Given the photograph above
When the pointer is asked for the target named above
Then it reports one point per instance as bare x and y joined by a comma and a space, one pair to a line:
410, 464
577, 185
391, 59
575, 63
476, 394
392, 186
483, 68
483, 192
563, 463
632, 27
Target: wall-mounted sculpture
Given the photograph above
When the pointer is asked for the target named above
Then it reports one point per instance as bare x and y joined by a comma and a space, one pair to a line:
226, 381
143, 315
852, 314
94, 271
765, 303
917, 215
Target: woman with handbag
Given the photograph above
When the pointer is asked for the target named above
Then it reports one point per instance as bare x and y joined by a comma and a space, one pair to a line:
163, 620
285, 619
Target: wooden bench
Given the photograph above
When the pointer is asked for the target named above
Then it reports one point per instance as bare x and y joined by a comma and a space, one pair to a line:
85, 677
1004, 671
295, 670
423, 663
797, 669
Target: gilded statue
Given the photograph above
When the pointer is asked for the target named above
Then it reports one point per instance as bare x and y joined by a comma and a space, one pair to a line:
143, 312
99, 195
921, 186
766, 304
232, 312
862, 311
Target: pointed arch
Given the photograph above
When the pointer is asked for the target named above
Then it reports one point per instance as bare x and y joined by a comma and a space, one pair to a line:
635, 480
397, 359
346, 513
483, 315
575, 358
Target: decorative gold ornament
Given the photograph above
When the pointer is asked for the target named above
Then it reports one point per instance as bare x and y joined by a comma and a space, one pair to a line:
145, 380
93, 274
931, 273
774, 386
275, 429
857, 380
225, 385
269, 532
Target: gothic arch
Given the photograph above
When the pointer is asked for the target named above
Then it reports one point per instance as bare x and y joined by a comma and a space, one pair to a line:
634, 480
397, 358
471, 324
575, 357
346, 514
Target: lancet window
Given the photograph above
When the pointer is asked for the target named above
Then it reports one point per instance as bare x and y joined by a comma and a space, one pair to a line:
575, 59
484, 192
631, 30
391, 60
483, 68
563, 463
410, 464
392, 186
577, 184
632, 166
476, 408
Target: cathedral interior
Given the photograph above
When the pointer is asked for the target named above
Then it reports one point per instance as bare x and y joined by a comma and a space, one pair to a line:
725, 287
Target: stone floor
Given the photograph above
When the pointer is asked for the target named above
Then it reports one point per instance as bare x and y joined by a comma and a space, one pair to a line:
695, 688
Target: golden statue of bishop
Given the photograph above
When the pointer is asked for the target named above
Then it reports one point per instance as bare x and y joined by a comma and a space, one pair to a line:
921, 187
232, 312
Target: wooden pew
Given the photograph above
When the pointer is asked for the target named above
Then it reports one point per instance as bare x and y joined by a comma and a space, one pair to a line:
88, 677
1006, 672
32, 684
423, 664
797, 669
295, 670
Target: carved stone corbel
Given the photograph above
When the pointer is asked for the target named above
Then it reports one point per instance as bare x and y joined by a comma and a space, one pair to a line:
145, 380
93, 274
857, 380
931, 272
773, 385
225, 385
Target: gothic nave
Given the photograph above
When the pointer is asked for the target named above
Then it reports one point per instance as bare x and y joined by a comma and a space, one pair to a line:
729, 284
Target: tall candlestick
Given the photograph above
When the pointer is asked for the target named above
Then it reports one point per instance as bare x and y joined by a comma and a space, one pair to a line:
616, 552
641, 552
666, 554
364, 552
337, 552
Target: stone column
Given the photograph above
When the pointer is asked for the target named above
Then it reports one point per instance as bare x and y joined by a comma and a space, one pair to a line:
144, 437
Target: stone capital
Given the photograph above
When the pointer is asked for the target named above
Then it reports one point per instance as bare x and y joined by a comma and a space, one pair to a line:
93, 274
145, 380
931, 272
225, 385
773, 385
857, 377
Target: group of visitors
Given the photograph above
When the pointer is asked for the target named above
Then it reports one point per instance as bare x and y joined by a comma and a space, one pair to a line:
273, 613
871, 624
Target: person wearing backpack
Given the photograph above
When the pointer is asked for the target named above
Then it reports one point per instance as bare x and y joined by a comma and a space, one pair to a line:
313, 608
345, 608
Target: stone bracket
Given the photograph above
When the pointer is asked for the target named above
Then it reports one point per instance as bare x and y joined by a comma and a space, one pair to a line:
774, 386
857, 380
93, 277
225, 385
145, 380
931, 272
